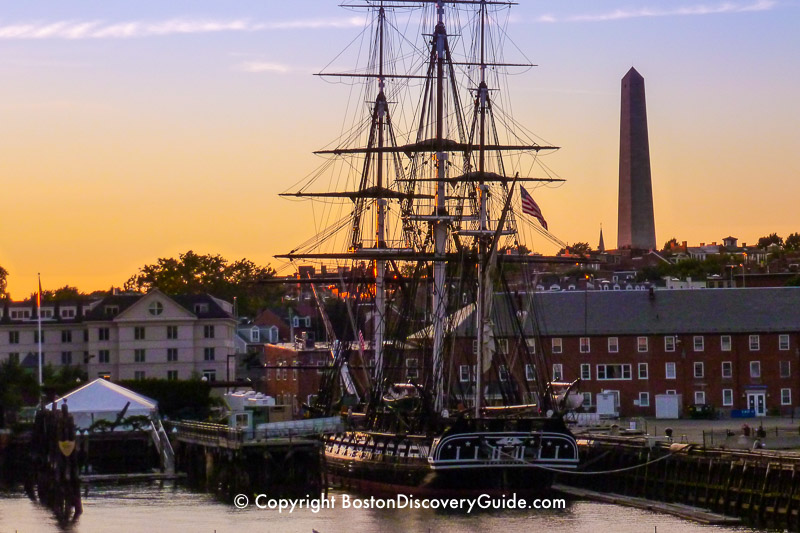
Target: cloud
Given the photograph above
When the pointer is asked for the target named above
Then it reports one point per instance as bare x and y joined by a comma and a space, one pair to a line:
98, 29
263, 66
698, 9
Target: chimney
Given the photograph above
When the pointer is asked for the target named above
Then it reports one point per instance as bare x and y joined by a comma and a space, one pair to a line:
683, 244
744, 245
702, 244
714, 243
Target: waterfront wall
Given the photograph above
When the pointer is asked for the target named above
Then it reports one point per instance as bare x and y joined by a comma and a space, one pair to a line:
762, 488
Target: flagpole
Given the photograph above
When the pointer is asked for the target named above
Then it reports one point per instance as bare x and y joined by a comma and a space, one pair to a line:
39, 318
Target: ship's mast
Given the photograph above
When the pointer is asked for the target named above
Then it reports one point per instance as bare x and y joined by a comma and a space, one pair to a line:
440, 224
482, 191
380, 213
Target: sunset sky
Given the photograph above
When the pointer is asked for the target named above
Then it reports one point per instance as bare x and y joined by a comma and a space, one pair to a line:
137, 130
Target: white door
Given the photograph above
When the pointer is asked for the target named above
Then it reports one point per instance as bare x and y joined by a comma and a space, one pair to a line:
756, 401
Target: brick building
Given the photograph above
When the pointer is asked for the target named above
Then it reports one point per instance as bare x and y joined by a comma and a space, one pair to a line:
732, 348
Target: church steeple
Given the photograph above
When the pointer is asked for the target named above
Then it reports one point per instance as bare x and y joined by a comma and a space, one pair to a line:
602, 246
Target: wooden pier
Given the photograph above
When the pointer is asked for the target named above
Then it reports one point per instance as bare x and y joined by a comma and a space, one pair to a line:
762, 488
230, 461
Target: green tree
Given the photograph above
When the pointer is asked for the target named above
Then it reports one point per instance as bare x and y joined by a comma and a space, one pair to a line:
192, 273
17, 388
793, 241
772, 238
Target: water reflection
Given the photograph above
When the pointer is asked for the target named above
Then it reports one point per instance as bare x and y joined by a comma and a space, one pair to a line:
172, 508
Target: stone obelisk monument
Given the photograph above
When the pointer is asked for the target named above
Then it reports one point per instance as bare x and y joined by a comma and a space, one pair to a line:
637, 227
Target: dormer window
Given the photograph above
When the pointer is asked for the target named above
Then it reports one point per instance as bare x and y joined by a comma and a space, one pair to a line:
156, 308
255, 335
111, 310
47, 313
200, 308
68, 313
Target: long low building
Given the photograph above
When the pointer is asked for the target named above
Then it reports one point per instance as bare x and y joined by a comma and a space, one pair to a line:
735, 349
125, 336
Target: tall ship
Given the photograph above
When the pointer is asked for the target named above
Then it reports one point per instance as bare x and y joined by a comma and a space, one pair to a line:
422, 213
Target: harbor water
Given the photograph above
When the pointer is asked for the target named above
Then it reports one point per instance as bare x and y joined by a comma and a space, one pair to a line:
173, 508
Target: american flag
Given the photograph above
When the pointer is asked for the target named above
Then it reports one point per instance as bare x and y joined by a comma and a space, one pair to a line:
361, 340
529, 207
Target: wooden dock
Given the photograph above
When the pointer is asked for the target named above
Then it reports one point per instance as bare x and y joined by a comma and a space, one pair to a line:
687, 512
761, 488
130, 478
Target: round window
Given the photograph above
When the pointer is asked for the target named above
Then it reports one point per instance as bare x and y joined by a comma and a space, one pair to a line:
156, 308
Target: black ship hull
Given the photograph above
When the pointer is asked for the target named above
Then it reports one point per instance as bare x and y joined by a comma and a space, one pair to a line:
453, 464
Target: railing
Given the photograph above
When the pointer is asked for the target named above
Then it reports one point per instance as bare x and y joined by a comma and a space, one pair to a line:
225, 435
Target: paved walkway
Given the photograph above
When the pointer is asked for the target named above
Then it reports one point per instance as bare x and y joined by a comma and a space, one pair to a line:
781, 433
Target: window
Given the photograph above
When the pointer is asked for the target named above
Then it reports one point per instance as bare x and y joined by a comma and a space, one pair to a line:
503, 373
66, 336
530, 372
587, 399
138, 375
531, 345
111, 310
156, 308
200, 308
13, 337
699, 343
47, 313
783, 342
463, 373
502, 345
669, 344
294, 370
138, 355
208, 354
36, 336
644, 399
208, 332
296, 321
586, 371
755, 343
172, 375
727, 397
66, 358
103, 334
14, 357
558, 372
699, 369
699, 397
138, 333
725, 343
255, 334
727, 369
172, 354
671, 391
68, 313
585, 346
669, 371
613, 372
86, 335
613, 345
475, 347
20, 314
641, 344
412, 368
556, 343
643, 371
104, 375
172, 332
786, 396
755, 369
210, 375
103, 356
308, 321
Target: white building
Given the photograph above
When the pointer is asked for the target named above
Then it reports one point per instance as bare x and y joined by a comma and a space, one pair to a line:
126, 336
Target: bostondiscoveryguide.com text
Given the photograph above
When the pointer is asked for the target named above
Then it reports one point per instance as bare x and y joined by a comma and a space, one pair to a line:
484, 502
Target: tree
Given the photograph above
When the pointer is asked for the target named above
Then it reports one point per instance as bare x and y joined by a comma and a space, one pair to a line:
580, 248
772, 238
793, 241
3, 281
17, 388
192, 273
670, 244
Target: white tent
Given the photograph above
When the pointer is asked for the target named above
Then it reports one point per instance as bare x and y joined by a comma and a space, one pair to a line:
103, 400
